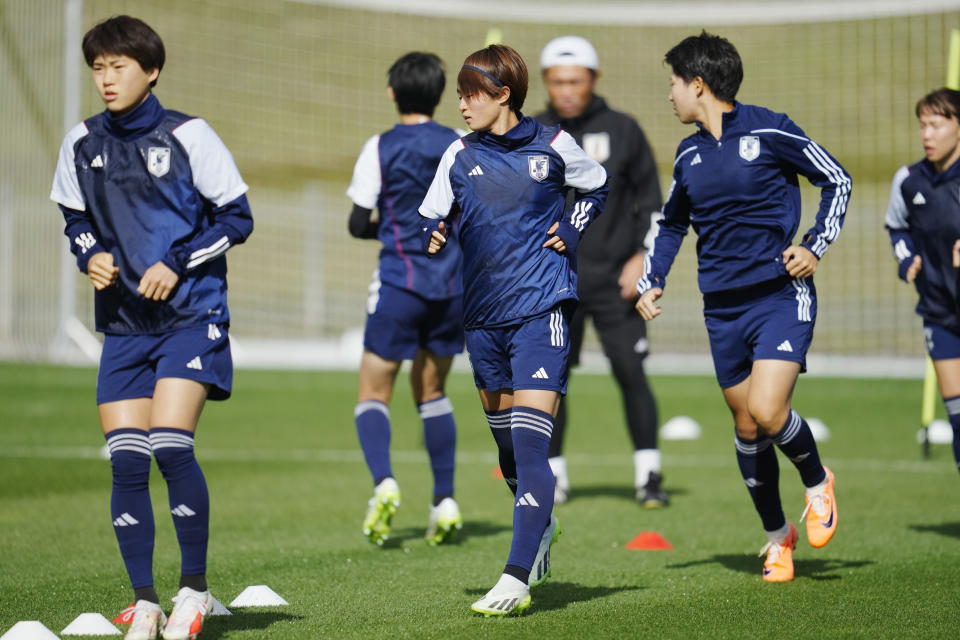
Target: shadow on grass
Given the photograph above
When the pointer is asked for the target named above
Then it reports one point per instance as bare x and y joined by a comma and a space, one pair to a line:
817, 569
951, 529
220, 626
623, 491
557, 595
401, 536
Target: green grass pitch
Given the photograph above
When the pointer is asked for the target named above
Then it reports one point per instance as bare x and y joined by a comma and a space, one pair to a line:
289, 488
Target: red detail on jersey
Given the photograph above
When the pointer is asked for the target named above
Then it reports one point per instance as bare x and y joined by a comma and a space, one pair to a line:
649, 541
555, 137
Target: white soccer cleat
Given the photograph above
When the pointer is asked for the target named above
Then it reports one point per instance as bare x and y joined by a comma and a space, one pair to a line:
190, 609
541, 564
380, 510
148, 621
508, 596
445, 522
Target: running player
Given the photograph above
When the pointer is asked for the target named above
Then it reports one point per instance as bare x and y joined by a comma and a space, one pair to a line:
500, 192
735, 181
152, 200
924, 224
611, 258
415, 303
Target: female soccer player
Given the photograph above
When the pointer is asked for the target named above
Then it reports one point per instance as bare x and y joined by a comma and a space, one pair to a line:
924, 224
415, 302
735, 181
152, 199
504, 189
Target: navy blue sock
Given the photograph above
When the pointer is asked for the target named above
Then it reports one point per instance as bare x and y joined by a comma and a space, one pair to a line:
531, 431
373, 429
130, 506
499, 422
440, 435
761, 472
796, 442
953, 412
189, 500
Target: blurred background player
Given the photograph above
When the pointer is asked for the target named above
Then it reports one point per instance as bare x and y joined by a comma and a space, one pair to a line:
610, 259
152, 200
923, 219
415, 305
735, 180
502, 189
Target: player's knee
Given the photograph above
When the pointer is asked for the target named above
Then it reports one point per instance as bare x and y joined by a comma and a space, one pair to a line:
768, 417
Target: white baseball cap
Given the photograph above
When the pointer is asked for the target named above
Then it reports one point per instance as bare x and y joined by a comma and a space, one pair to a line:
569, 50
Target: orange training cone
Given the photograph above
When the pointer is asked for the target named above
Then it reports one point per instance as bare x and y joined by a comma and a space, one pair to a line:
649, 541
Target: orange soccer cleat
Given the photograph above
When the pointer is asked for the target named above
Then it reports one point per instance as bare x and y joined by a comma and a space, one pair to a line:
821, 513
778, 567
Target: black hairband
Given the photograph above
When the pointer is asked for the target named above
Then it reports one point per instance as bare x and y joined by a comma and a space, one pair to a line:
479, 70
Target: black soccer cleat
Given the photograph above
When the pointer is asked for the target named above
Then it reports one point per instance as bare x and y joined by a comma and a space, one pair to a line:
652, 495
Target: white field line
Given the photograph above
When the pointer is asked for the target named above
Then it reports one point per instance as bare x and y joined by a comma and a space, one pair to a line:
354, 456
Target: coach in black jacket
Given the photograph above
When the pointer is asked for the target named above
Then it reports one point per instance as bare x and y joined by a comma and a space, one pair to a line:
610, 257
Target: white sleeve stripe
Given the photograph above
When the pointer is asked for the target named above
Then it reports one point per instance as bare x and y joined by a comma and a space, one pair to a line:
685, 152
783, 133
842, 196
214, 247
204, 255
838, 205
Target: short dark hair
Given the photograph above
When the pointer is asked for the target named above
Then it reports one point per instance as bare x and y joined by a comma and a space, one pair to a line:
417, 80
713, 58
504, 64
125, 36
942, 102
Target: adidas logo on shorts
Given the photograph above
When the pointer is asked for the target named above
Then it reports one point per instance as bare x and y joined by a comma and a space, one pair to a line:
785, 346
541, 374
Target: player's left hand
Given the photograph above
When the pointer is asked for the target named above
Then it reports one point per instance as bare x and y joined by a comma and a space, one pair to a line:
556, 242
799, 262
157, 282
956, 254
631, 272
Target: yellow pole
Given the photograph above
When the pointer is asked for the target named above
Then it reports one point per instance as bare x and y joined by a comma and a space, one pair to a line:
953, 62
495, 36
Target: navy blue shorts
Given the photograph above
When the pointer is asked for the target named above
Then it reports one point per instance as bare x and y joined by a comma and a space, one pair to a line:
771, 320
130, 365
400, 322
533, 354
942, 344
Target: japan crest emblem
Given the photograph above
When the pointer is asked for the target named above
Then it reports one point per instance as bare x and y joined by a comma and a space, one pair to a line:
597, 145
539, 167
749, 147
158, 161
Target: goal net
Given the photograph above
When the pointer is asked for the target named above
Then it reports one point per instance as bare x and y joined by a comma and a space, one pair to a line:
294, 88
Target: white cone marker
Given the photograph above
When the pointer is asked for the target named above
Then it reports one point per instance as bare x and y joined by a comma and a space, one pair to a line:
90, 624
259, 595
29, 630
219, 609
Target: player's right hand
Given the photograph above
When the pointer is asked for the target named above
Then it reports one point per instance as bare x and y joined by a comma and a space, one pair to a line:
437, 239
956, 254
914, 269
645, 305
101, 270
